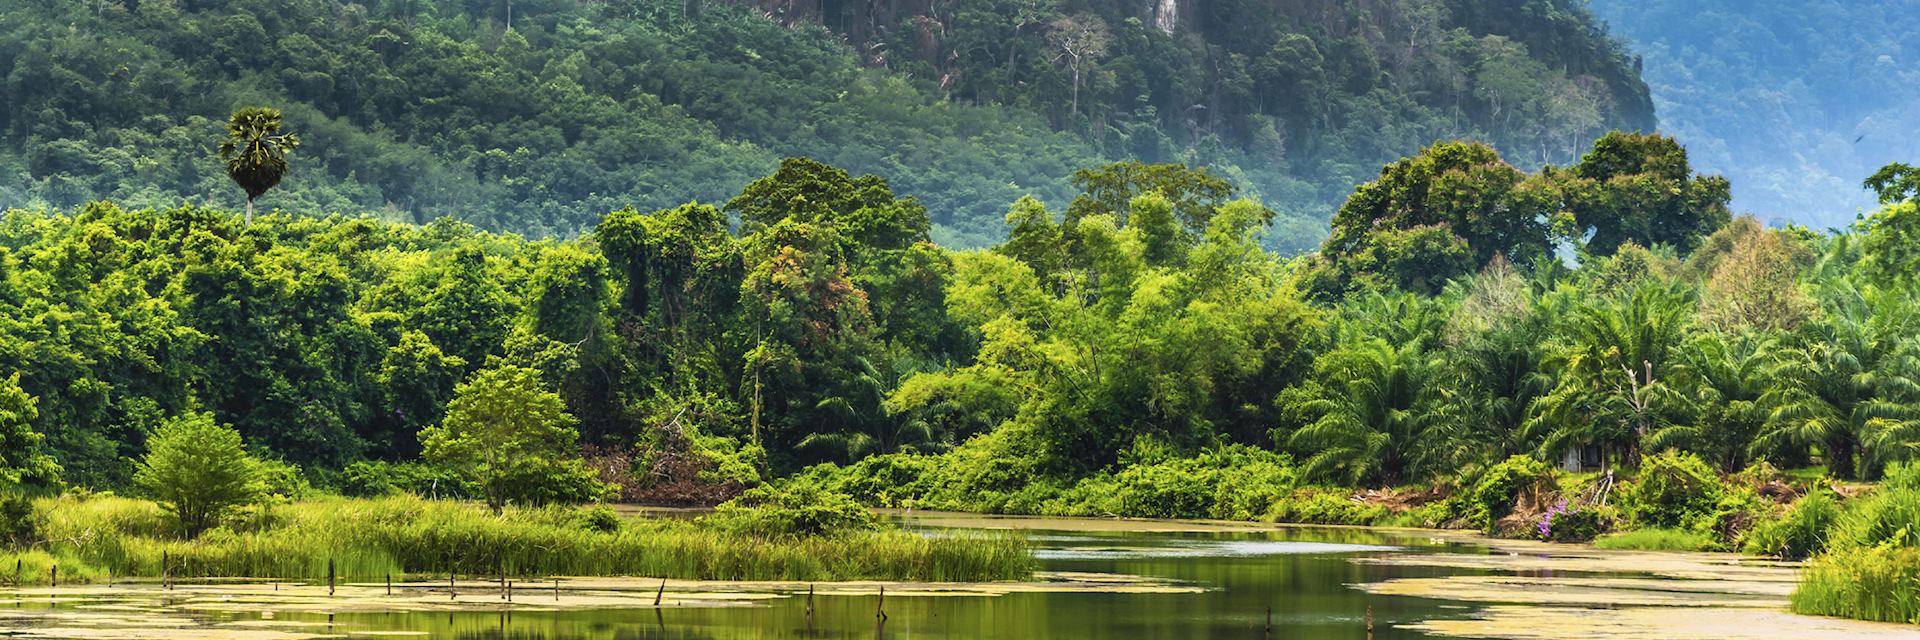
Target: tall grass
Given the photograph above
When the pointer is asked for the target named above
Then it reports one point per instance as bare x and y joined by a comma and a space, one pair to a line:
1799, 533
1878, 583
1871, 570
1657, 540
370, 538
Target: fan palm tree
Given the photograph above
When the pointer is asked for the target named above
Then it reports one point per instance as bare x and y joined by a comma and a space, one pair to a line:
256, 152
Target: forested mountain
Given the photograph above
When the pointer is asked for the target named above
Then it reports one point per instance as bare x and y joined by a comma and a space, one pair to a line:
1796, 101
538, 116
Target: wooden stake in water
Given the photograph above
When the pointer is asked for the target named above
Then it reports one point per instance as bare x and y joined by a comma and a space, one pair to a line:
880, 610
165, 566
389, 583
1369, 622
55, 578
1269, 619
661, 592
809, 601
330, 576
451, 594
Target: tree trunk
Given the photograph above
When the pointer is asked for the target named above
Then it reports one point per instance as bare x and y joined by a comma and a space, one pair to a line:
1073, 112
249, 211
1840, 456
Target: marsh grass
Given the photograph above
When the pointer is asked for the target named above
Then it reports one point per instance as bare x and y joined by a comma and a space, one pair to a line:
1657, 540
370, 538
1880, 583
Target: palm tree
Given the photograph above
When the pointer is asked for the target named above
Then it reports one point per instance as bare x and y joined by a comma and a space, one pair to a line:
859, 423
1723, 377
1615, 359
1852, 387
1381, 416
256, 152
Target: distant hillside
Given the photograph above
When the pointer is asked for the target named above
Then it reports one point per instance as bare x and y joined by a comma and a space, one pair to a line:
537, 116
1796, 101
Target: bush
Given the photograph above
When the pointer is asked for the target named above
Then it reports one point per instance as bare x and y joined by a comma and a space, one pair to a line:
1494, 495
1564, 523
599, 518
891, 480
791, 509
1312, 506
376, 478
1889, 516
1234, 482
1674, 490
19, 524
1876, 583
199, 470
1799, 533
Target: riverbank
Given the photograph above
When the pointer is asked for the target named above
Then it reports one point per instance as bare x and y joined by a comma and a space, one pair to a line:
96, 539
1498, 588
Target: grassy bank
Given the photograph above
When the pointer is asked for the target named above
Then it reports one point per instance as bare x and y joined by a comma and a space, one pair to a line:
370, 538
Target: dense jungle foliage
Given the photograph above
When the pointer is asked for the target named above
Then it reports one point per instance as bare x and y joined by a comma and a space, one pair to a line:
539, 116
805, 349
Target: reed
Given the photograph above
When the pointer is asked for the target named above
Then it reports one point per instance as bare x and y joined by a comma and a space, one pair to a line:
370, 538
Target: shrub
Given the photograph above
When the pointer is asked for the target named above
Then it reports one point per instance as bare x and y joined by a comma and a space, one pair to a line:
199, 470
1312, 506
1888, 516
1494, 495
791, 509
1564, 523
891, 480
1674, 490
1799, 533
375, 478
599, 518
19, 524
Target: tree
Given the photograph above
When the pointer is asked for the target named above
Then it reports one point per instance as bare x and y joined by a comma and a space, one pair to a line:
200, 470
1443, 213
256, 152
22, 463
1082, 40
1640, 188
512, 438
1195, 193
1376, 410
1616, 358
1849, 387
1755, 283
1895, 183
